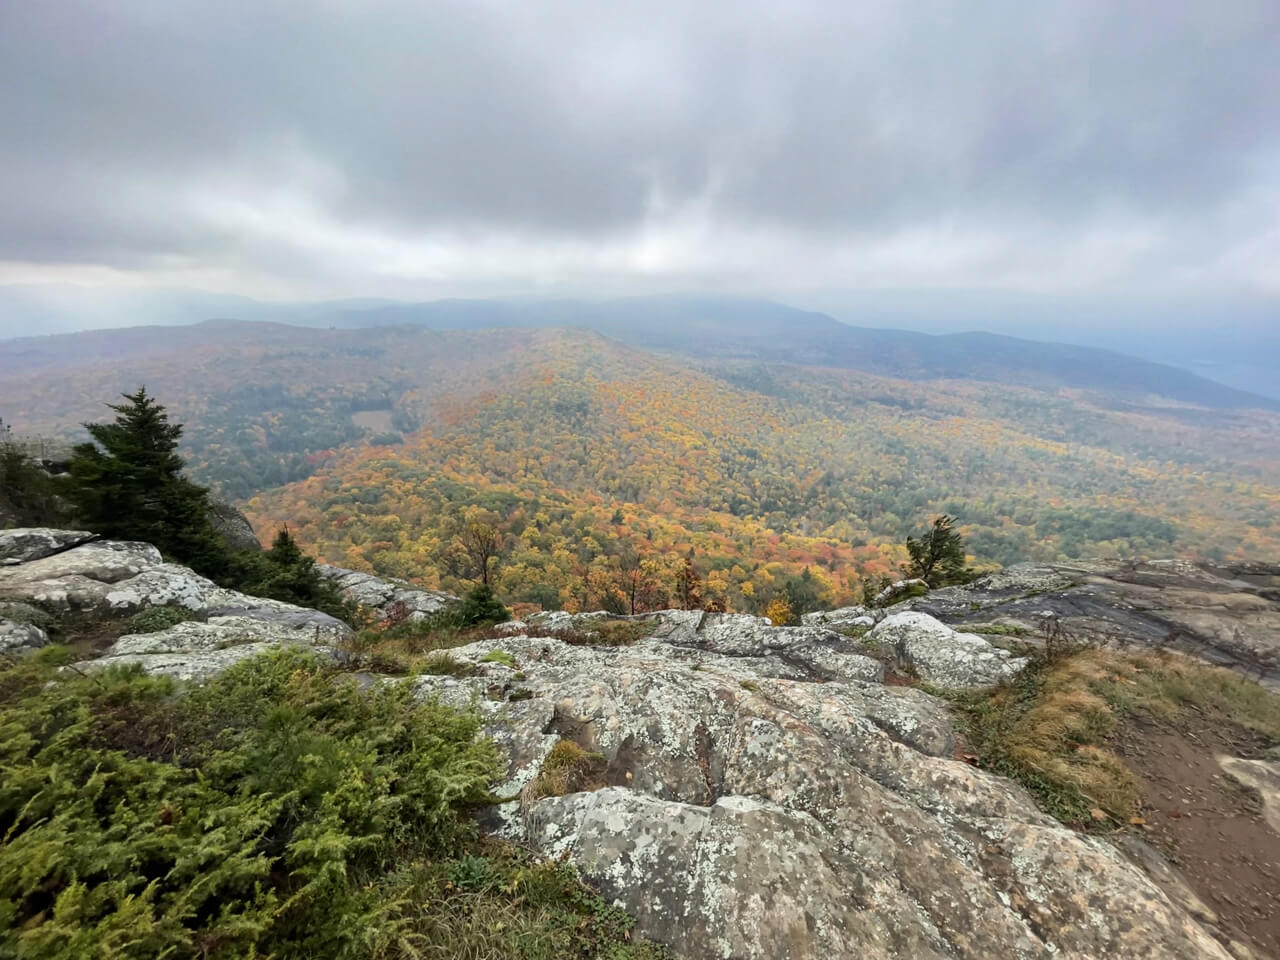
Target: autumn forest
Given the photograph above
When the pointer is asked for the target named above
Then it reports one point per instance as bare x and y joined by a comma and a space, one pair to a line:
612, 474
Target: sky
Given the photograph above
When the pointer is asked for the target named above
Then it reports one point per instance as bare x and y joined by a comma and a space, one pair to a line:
822, 151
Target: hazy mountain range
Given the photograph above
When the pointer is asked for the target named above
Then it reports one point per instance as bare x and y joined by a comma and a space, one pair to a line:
698, 327
739, 429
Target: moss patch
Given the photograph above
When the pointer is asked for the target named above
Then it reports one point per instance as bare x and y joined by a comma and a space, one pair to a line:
155, 619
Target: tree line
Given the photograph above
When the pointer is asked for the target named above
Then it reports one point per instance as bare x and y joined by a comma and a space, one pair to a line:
129, 483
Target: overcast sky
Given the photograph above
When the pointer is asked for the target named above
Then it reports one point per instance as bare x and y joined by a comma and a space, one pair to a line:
332, 148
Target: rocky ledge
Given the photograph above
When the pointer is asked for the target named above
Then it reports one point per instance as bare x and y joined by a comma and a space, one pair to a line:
744, 805
745, 791
67, 573
1228, 615
386, 597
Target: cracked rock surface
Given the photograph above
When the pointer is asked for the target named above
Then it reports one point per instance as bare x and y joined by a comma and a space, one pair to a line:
755, 808
942, 656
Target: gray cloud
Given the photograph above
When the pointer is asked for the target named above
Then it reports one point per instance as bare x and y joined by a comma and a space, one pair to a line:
386, 147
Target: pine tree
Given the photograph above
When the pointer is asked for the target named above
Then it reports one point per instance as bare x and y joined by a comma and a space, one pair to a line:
128, 484
801, 593
938, 556
481, 606
286, 573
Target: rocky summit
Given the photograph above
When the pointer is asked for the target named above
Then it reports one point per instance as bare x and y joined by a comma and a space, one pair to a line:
750, 808
747, 791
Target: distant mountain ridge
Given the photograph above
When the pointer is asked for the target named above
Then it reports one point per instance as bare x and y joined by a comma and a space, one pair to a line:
704, 328
775, 333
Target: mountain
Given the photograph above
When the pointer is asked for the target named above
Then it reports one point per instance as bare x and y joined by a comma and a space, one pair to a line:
713, 327
771, 332
369, 442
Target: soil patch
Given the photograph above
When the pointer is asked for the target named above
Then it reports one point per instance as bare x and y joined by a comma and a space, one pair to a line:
1207, 824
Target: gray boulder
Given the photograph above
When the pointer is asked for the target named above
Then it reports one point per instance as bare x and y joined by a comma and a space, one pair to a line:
1228, 615
382, 595
855, 616
198, 649
814, 653
943, 657
233, 526
17, 637
33, 543
897, 589
751, 816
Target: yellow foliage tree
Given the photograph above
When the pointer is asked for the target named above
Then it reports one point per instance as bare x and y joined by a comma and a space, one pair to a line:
779, 612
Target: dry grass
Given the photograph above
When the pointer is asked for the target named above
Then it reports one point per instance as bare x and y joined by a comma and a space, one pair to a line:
568, 768
1049, 728
414, 647
601, 633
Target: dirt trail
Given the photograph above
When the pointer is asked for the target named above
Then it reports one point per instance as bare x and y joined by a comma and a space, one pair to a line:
1207, 824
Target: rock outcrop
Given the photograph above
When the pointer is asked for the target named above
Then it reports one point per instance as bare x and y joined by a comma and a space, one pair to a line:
1262, 776
855, 616
69, 573
233, 526
387, 597
36, 543
898, 589
752, 809
758, 791
943, 657
17, 636
1228, 615
813, 653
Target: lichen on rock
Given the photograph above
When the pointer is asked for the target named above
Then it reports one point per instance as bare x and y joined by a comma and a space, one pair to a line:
942, 656
744, 814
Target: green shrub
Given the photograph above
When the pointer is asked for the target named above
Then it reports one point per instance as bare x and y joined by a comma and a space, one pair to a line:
254, 816
26, 613
481, 606
278, 811
285, 573
155, 619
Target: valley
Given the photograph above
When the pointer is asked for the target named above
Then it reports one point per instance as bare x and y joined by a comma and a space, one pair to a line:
598, 459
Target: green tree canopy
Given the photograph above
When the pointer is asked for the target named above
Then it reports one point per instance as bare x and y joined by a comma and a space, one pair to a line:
128, 484
286, 573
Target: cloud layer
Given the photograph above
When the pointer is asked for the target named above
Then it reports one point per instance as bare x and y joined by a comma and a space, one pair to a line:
431, 148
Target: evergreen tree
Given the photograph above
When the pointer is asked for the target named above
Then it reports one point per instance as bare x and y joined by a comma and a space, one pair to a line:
128, 485
28, 496
481, 606
938, 556
286, 573
801, 593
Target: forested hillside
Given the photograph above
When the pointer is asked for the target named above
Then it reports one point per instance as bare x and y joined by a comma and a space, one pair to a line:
604, 467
